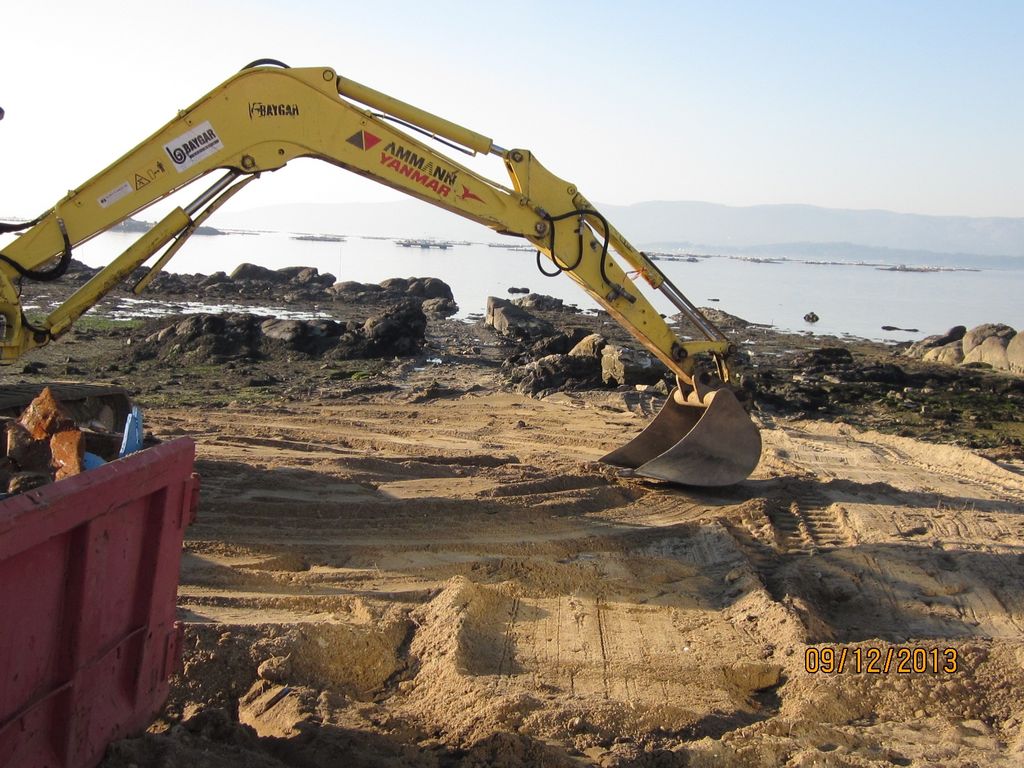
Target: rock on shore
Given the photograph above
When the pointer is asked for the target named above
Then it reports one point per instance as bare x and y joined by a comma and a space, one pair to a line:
291, 285
550, 359
398, 330
991, 345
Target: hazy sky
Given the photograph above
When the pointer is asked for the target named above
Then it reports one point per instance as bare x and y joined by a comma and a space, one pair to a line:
908, 106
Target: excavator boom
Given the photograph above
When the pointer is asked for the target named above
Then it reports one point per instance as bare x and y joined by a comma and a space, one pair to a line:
267, 115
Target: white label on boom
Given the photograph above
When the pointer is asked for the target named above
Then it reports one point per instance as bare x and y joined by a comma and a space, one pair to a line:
193, 146
115, 194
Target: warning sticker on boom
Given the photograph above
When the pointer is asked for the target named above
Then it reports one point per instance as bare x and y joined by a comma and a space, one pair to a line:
193, 146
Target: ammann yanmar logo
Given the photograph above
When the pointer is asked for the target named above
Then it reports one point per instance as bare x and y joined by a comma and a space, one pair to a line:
193, 146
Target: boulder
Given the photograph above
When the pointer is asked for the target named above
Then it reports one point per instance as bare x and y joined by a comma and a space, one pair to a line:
380, 327
541, 302
621, 365
288, 331
217, 278
400, 330
948, 354
440, 307
977, 336
953, 336
45, 417
429, 288
420, 288
352, 287
991, 351
324, 328
395, 284
1015, 353
554, 373
515, 322
28, 454
311, 276
309, 336
68, 452
559, 343
27, 481
305, 275
204, 338
178, 284
991, 344
162, 335
719, 318
956, 333
254, 272
590, 346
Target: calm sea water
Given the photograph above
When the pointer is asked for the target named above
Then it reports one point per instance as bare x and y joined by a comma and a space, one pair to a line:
849, 299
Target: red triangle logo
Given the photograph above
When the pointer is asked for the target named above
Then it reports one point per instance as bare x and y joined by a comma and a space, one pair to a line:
369, 140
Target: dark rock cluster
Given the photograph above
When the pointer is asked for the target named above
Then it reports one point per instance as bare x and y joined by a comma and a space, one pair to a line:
251, 281
435, 295
822, 380
290, 285
546, 359
397, 331
563, 361
926, 399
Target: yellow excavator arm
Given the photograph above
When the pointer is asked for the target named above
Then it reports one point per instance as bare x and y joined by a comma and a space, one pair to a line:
269, 114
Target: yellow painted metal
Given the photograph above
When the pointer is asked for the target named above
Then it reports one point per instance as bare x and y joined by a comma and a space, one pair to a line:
262, 118
182, 237
100, 284
709, 442
421, 118
618, 294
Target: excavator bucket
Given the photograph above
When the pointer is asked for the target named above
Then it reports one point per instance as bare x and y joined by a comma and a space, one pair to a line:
705, 444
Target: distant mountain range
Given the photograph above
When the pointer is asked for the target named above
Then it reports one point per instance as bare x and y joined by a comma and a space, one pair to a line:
794, 231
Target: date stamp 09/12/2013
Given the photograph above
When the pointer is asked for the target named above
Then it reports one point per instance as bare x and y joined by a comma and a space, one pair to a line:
878, 660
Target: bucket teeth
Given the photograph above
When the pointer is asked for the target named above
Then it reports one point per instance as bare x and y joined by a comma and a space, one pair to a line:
713, 444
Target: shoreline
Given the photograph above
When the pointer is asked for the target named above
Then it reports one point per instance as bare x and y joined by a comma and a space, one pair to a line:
874, 386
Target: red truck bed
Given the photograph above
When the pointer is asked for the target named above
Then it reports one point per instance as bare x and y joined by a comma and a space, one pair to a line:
88, 583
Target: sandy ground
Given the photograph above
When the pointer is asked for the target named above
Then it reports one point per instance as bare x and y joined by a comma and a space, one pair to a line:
398, 563
401, 579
